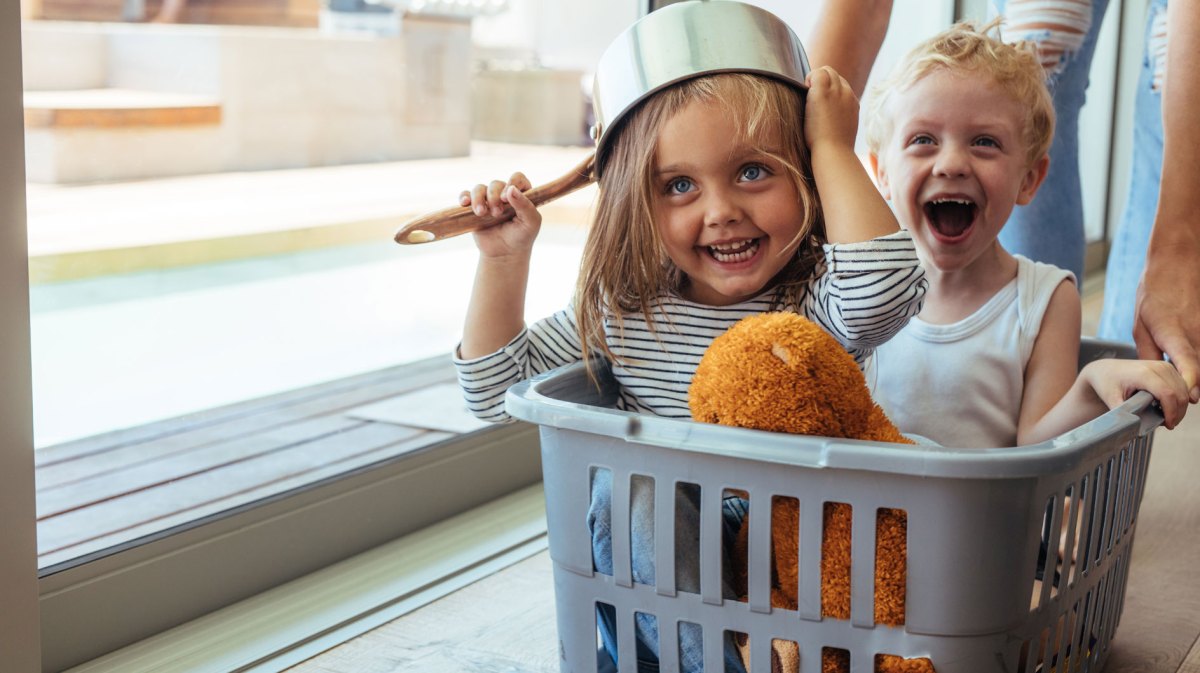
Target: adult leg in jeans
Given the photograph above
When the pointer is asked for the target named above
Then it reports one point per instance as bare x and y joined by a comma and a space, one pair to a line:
687, 550
1127, 257
1050, 228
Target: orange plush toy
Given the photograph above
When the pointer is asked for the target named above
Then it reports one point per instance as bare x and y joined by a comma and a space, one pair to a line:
781, 372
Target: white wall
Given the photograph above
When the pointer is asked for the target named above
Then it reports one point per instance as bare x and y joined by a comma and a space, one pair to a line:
564, 34
911, 22
1096, 121
573, 33
1131, 49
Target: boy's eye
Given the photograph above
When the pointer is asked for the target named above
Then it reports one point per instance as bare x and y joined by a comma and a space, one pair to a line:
921, 140
680, 186
986, 141
753, 172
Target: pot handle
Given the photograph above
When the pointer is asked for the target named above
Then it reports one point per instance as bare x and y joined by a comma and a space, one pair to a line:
457, 220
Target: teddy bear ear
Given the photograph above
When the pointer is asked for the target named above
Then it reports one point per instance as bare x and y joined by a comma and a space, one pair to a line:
779, 351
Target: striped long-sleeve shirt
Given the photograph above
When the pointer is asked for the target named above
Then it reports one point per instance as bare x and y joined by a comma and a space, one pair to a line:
862, 294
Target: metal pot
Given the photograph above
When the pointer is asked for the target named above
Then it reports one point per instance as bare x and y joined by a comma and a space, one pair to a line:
686, 40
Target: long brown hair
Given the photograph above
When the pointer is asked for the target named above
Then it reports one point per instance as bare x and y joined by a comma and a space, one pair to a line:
625, 266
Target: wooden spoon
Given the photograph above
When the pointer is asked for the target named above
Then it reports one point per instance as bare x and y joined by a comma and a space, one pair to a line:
457, 220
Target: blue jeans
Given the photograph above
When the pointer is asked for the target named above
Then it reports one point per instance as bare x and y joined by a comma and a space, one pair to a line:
687, 569
1050, 228
1127, 257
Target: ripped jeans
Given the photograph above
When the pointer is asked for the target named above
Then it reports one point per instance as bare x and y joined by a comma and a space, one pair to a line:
1127, 256
687, 570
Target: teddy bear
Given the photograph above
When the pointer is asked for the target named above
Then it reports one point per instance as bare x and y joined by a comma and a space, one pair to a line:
783, 373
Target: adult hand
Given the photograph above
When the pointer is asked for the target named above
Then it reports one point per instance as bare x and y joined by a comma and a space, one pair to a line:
1167, 313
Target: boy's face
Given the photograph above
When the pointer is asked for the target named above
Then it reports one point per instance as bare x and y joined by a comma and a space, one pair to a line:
955, 165
727, 215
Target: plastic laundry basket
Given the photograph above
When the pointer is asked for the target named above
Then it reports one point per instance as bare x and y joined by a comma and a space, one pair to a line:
976, 522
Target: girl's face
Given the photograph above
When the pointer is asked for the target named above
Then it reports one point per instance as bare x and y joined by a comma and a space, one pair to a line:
727, 214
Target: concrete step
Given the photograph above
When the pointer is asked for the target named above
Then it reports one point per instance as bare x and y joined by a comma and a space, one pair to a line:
90, 135
117, 108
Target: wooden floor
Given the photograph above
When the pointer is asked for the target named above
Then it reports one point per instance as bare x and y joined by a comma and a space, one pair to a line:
110, 489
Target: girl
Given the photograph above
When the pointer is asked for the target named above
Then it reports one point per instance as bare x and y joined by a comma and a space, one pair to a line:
707, 213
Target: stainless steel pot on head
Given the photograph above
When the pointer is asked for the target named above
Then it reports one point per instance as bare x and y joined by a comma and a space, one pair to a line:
675, 43
686, 40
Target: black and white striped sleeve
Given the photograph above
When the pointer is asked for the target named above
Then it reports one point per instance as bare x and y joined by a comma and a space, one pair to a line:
868, 291
549, 343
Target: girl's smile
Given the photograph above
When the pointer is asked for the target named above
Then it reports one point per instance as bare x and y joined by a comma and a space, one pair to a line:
727, 212
735, 252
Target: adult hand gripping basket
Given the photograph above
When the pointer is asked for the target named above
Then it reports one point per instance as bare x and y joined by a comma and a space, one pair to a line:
977, 520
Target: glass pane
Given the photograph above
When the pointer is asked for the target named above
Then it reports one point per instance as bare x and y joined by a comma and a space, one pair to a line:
218, 310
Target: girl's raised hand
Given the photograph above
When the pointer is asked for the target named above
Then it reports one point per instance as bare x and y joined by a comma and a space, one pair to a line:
514, 236
831, 110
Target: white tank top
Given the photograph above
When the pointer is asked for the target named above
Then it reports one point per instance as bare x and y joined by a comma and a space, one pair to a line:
961, 384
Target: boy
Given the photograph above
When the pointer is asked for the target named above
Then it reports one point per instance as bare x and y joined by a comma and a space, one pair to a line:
958, 135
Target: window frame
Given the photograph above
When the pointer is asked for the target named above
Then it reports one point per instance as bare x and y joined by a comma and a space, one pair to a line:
19, 632
186, 572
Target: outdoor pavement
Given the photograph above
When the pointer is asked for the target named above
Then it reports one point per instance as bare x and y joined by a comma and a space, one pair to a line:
80, 231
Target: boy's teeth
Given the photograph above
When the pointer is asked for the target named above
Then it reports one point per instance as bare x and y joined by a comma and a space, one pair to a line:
950, 216
734, 252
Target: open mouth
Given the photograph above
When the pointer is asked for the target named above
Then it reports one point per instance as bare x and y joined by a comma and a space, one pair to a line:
738, 251
951, 217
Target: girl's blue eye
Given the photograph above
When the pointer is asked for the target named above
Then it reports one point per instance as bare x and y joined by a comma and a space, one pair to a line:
680, 186
753, 172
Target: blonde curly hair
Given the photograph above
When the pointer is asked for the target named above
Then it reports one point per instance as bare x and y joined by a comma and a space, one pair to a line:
965, 48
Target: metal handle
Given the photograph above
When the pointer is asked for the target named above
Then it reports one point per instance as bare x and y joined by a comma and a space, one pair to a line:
457, 220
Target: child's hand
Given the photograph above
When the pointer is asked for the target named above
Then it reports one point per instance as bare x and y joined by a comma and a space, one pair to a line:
1114, 381
512, 236
831, 110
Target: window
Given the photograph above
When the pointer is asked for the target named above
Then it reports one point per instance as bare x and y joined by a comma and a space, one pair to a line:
216, 306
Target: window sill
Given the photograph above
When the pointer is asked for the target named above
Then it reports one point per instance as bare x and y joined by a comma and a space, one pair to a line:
288, 624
